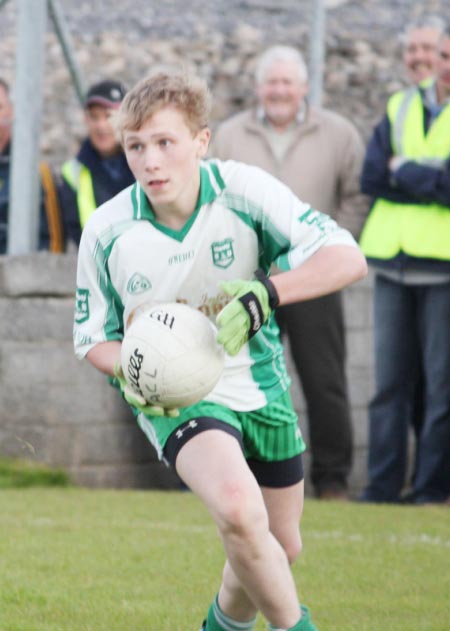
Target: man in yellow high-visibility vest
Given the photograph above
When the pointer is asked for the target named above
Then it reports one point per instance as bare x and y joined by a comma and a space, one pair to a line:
100, 169
420, 54
407, 241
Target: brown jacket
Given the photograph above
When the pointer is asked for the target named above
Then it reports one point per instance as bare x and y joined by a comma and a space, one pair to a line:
322, 165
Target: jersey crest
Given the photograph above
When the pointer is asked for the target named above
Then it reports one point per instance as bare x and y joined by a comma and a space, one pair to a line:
82, 305
222, 253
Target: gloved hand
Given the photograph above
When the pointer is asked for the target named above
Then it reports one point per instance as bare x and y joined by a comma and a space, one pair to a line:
137, 401
242, 318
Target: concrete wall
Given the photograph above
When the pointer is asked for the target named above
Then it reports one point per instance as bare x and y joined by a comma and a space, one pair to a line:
58, 410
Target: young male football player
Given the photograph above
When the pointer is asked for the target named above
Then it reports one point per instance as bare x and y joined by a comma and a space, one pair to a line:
206, 233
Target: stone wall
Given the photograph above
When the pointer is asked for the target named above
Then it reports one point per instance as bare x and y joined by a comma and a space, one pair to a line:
60, 411
221, 40
54, 408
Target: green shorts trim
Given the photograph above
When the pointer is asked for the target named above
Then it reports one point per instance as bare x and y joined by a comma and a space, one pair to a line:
269, 434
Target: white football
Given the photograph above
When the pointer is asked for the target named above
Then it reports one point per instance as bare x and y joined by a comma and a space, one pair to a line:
170, 355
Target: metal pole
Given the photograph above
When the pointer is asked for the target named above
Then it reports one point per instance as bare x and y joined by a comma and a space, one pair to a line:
23, 219
316, 51
63, 35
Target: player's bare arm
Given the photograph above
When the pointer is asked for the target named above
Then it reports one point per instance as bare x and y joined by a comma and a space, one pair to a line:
330, 269
105, 356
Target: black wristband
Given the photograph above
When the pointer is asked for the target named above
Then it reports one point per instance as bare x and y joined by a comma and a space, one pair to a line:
274, 299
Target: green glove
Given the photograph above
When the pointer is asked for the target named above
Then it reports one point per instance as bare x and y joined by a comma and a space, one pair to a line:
137, 401
242, 318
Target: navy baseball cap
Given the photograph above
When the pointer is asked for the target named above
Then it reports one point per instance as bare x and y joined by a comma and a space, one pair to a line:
107, 93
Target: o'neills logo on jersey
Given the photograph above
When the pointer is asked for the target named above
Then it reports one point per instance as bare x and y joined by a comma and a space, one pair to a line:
138, 284
222, 253
182, 257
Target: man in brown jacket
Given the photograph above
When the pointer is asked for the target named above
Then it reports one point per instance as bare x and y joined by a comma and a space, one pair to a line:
319, 155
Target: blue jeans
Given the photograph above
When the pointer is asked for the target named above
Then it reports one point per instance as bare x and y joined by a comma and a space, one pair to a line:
412, 334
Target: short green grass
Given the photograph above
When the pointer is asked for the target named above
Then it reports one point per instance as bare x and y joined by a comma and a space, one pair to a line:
18, 473
89, 560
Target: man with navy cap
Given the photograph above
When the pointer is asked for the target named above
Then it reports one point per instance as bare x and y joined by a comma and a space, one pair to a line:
100, 169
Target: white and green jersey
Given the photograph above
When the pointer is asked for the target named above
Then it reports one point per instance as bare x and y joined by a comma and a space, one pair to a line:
245, 219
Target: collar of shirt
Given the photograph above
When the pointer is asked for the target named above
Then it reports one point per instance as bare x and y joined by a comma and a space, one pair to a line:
430, 101
211, 186
300, 117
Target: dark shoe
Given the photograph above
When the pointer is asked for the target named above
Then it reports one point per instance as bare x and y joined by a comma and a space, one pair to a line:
368, 497
414, 498
408, 498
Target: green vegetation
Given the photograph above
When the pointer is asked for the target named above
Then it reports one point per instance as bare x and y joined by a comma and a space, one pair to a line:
24, 473
83, 560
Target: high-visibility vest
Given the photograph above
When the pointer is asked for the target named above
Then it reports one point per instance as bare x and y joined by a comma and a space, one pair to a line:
79, 179
419, 230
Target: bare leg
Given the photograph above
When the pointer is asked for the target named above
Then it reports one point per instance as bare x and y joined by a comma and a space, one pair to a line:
285, 508
213, 466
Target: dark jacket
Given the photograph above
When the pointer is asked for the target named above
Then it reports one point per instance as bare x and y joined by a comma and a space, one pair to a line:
50, 235
109, 177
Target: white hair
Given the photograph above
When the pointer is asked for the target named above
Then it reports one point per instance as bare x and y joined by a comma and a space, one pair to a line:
425, 21
280, 53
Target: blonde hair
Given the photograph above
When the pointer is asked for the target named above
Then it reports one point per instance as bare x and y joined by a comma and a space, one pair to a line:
186, 92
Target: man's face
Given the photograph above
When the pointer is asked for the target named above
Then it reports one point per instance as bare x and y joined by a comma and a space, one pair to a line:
420, 53
6, 115
164, 156
100, 130
443, 69
281, 93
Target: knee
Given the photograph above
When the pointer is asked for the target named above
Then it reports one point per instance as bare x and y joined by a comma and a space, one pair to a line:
292, 545
241, 513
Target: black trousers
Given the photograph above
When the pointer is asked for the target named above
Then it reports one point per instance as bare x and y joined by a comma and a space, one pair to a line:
316, 333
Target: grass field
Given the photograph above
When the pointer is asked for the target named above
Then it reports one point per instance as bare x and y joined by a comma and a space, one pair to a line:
79, 560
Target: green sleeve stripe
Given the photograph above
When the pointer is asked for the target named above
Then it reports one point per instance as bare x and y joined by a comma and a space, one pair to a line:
274, 243
219, 183
112, 323
112, 326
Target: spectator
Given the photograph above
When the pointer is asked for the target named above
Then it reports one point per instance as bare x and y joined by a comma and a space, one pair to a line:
100, 169
420, 41
406, 240
50, 225
318, 154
